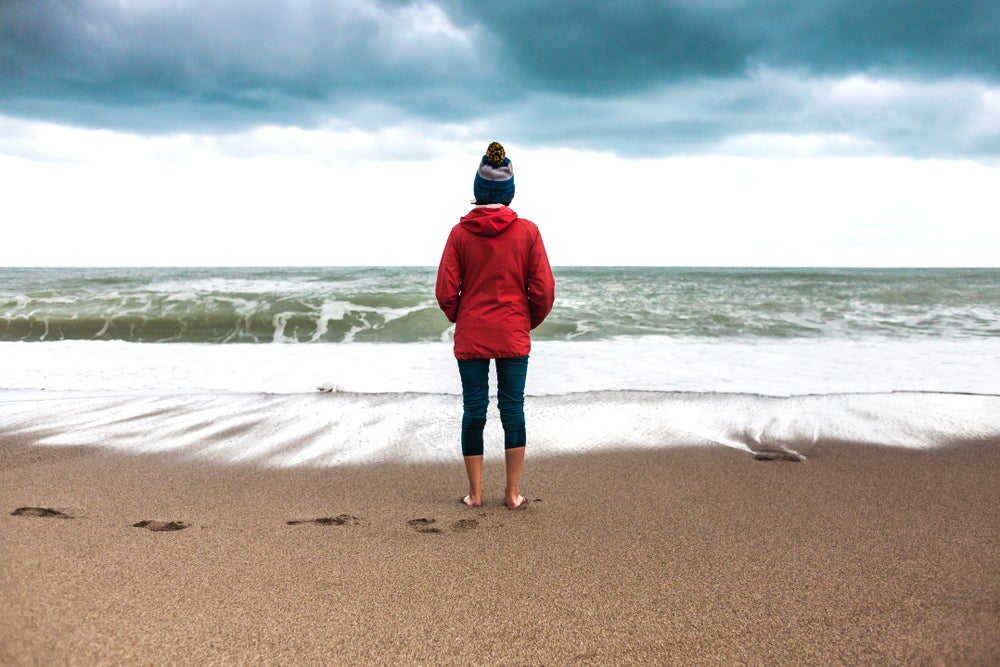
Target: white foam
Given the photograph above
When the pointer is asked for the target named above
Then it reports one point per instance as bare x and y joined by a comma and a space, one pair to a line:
333, 429
196, 288
779, 368
400, 401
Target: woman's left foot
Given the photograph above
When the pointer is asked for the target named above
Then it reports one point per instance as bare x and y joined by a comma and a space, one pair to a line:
519, 503
469, 502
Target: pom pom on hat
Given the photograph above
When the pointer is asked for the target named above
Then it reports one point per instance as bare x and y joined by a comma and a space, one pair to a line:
495, 154
494, 182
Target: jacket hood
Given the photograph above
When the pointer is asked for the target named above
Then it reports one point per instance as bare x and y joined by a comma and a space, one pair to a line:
488, 220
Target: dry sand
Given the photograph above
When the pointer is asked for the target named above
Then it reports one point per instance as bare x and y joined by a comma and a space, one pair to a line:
858, 556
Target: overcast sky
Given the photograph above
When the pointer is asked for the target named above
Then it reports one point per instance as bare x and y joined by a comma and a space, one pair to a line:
347, 132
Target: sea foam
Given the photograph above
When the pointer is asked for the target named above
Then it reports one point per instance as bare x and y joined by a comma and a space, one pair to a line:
344, 428
778, 368
289, 405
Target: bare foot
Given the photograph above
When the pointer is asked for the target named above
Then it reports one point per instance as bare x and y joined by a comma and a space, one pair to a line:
469, 501
518, 503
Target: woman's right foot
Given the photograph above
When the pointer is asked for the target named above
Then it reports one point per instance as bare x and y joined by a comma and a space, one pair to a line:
469, 501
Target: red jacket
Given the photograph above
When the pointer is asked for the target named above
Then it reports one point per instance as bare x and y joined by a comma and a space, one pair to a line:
495, 283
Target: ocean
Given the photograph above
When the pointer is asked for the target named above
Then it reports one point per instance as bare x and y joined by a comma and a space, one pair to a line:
325, 366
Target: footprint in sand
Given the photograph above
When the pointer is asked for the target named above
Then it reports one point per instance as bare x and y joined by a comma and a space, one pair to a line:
340, 520
464, 524
424, 525
427, 525
160, 526
40, 511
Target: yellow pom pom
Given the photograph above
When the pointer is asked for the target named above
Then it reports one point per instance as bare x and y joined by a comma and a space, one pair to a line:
495, 154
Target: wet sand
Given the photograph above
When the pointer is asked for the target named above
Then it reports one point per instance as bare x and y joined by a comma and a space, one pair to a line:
858, 555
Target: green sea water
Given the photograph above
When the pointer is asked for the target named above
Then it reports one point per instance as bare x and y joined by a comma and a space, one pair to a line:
396, 304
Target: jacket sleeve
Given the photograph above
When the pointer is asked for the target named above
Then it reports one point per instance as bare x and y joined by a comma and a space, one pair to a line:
541, 283
449, 280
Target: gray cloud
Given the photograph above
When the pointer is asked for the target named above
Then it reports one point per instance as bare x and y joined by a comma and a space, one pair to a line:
638, 43
632, 77
217, 63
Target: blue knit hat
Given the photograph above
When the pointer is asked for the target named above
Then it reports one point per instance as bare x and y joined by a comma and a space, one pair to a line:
494, 182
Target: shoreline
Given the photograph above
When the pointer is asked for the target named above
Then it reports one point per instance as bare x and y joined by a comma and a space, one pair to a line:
342, 428
678, 555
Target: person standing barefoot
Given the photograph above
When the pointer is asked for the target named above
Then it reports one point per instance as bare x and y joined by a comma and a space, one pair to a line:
495, 284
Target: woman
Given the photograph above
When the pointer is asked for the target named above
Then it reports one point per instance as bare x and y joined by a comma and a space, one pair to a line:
495, 283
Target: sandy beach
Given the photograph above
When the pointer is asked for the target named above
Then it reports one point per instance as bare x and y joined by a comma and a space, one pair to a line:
858, 556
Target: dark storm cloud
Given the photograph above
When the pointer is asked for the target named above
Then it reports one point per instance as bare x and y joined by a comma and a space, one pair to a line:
916, 38
215, 63
610, 46
634, 77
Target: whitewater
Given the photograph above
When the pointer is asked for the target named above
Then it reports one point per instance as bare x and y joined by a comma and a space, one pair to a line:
290, 367
324, 405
